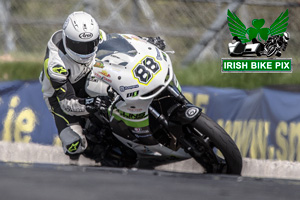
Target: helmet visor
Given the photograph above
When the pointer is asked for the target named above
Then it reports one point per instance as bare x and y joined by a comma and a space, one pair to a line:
83, 48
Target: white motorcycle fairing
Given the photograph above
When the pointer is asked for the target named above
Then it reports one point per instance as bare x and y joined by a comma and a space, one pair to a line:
137, 71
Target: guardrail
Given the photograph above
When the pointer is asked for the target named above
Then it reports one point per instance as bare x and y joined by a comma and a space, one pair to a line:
265, 123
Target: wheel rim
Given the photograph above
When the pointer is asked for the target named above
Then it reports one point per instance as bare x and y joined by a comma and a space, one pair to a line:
205, 152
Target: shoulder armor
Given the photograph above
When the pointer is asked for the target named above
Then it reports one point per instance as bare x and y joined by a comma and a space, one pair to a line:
58, 72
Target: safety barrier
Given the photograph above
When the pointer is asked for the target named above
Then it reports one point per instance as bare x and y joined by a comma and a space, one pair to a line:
265, 123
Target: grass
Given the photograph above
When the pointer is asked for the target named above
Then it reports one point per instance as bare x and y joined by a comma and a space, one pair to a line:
209, 74
20, 70
204, 74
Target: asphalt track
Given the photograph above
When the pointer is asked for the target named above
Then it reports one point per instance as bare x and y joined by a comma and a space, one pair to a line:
51, 182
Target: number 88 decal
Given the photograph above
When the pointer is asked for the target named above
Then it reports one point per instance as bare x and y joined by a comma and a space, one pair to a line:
146, 69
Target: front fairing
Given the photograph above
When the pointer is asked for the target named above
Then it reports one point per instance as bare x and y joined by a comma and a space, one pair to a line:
134, 68
138, 71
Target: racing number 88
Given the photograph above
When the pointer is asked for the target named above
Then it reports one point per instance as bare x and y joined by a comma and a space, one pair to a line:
142, 74
145, 69
151, 64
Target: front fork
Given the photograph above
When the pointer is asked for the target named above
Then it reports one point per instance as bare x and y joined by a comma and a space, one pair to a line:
180, 114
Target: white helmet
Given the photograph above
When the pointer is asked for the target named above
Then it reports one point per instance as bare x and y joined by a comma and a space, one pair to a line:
286, 36
81, 37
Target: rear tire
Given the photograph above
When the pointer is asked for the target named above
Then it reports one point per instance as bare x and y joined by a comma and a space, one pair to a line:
215, 136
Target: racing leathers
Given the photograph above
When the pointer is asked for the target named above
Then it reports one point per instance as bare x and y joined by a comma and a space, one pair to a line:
63, 85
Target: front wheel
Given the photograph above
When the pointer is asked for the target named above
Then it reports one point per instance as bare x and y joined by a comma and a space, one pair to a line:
204, 138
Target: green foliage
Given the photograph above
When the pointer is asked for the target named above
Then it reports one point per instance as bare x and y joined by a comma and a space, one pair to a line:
20, 70
209, 74
204, 74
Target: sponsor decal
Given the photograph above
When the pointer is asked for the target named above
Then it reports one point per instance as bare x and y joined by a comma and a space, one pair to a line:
106, 79
191, 112
129, 37
102, 77
133, 94
123, 88
138, 38
133, 116
97, 74
99, 64
140, 130
86, 35
135, 109
104, 73
142, 136
126, 37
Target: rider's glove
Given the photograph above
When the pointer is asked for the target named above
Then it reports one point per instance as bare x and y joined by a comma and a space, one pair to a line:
157, 41
94, 104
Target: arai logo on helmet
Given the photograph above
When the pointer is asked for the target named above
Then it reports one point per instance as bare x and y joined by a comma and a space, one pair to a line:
86, 35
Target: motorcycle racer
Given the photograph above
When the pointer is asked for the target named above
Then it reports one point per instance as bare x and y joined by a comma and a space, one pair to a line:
68, 63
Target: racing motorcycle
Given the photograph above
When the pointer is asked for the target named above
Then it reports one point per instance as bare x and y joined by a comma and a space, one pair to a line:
272, 46
276, 43
150, 122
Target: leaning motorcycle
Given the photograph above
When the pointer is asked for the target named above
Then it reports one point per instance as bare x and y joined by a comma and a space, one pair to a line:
150, 122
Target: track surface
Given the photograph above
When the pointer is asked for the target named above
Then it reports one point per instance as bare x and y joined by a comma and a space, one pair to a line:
51, 182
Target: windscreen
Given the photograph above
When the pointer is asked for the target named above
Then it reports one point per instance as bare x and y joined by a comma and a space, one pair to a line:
115, 43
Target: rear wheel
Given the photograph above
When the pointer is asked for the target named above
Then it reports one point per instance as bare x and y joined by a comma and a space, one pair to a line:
204, 138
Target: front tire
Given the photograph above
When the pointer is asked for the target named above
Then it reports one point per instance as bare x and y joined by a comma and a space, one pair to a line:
204, 137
